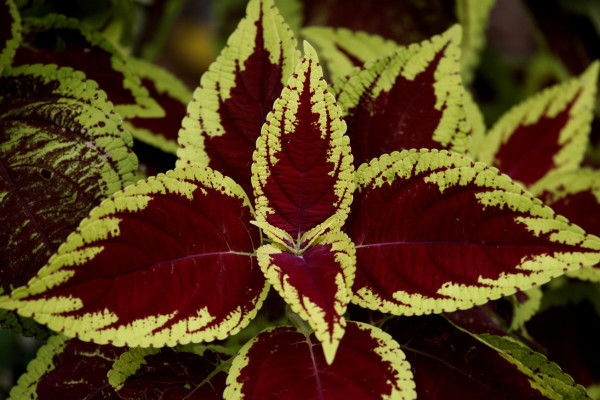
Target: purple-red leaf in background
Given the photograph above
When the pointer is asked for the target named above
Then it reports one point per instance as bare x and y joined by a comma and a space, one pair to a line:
68, 369
409, 99
231, 104
283, 364
171, 95
546, 133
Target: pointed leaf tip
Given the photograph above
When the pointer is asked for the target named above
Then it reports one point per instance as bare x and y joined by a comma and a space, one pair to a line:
229, 108
316, 284
302, 172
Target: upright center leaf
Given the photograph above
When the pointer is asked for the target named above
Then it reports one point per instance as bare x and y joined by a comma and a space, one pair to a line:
302, 172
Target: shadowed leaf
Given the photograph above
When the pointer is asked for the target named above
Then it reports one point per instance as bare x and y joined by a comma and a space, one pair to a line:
144, 373
66, 42
10, 32
62, 151
168, 260
436, 232
446, 360
69, 368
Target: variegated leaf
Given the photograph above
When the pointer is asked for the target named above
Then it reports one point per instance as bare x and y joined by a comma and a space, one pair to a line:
171, 94
66, 42
225, 116
576, 195
282, 363
412, 98
317, 284
62, 151
168, 260
10, 32
546, 133
302, 172
144, 373
436, 232
70, 369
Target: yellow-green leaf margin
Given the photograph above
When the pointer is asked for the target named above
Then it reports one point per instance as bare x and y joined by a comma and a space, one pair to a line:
60, 312
378, 76
216, 84
282, 121
573, 137
446, 171
329, 329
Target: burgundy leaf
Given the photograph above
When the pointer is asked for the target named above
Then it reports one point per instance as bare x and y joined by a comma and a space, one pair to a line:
302, 172
436, 232
282, 364
168, 260
409, 99
231, 104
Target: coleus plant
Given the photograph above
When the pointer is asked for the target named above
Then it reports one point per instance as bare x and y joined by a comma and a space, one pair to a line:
265, 193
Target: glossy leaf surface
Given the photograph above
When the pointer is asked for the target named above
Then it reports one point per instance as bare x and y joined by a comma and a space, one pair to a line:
231, 104
436, 232
446, 360
302, 172
168, 260
10, 32
546, 133
409, 99
171, 95
316, 284
145, 373
71, 368
281, 363
62, 151
66, 42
